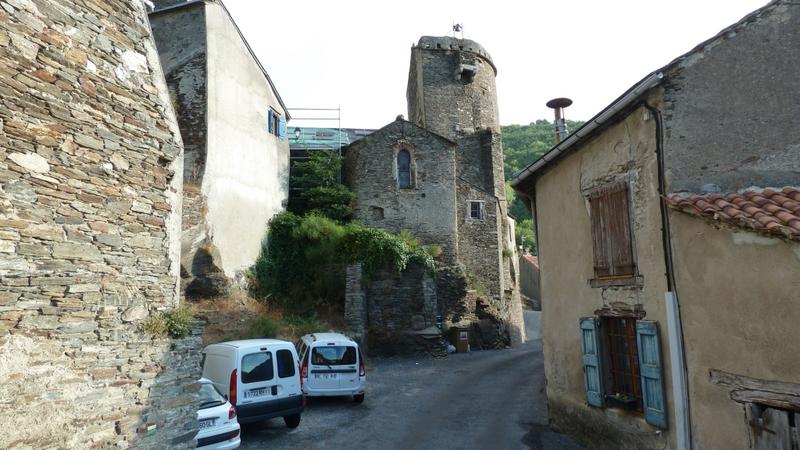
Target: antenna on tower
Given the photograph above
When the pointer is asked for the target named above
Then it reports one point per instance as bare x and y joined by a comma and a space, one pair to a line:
458, 28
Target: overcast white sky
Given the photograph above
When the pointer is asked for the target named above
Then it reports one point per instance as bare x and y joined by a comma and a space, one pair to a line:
323, 53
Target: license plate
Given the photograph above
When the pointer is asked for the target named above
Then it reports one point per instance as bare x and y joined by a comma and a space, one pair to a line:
207, 423
253, 393
325, 376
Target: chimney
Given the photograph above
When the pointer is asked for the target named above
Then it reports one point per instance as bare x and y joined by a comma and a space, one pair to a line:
558, 105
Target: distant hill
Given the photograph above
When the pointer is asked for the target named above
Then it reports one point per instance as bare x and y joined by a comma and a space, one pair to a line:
524, 144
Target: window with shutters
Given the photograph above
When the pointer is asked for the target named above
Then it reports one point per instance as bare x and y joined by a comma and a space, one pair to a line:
622, 366
276, 124
612, 240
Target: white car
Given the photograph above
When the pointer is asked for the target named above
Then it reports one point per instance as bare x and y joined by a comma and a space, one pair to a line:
259, 376
219, 429
331, 364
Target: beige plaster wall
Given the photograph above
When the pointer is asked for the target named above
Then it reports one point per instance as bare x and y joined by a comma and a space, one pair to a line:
739, 304
625, 151
247, 169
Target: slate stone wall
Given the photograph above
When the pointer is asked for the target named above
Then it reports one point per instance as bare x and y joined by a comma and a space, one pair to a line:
90, 199
441, 97
428, 208
731, 109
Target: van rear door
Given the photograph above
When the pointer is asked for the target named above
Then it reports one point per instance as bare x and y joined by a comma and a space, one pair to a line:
257, 377
288, 380
333, 366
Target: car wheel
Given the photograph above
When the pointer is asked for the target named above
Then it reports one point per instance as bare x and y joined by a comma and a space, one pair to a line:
359, 398
292, 421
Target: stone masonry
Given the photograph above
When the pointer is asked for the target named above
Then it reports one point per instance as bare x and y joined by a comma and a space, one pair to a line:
453, 139
89, 232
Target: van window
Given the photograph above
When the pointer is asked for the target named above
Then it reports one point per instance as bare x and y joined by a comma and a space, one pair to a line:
285, 364
333, 355
257, 367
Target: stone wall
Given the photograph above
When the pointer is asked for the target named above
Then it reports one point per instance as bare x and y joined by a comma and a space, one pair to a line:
89, 227
442, 95
393, 313
428, 208
731, 108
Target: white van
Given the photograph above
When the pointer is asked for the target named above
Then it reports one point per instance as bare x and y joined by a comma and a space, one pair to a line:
259, 376
331, 364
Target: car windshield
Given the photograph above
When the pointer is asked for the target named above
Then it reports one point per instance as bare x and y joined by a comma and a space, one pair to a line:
333, 355
210, 396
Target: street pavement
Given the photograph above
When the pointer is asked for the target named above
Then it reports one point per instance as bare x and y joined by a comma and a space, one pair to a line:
479, 400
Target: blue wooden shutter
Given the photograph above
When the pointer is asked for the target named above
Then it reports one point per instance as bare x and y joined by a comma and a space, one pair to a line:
592, 370
651, 373
282, 129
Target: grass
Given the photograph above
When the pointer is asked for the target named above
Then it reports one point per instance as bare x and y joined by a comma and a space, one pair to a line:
239, 316
175, 324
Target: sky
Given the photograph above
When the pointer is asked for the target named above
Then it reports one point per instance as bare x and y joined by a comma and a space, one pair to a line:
354, 55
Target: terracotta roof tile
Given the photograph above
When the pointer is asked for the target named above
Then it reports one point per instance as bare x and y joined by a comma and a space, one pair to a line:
769, 211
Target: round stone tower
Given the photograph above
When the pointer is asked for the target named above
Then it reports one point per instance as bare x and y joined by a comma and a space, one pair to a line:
451, 88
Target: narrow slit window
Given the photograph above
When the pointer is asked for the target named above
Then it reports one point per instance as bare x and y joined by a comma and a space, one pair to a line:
404, 169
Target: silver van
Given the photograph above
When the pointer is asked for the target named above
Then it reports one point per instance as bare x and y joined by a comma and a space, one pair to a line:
331, 364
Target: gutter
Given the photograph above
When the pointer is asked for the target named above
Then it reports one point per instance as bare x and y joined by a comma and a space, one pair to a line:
677, 354
589, 127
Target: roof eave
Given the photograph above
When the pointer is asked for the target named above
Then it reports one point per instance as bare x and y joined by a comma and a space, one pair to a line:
609, 112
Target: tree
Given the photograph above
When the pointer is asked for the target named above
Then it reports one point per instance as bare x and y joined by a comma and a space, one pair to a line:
321, 192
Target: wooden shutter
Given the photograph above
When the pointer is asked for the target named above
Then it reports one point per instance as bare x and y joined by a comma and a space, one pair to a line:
598, 206
620, 231
651, 373
592, 370
611, 232
282, 128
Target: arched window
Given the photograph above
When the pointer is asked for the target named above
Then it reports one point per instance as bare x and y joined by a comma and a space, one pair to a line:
404, 169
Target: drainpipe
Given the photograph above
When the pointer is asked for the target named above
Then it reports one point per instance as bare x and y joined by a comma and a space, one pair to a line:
680, 391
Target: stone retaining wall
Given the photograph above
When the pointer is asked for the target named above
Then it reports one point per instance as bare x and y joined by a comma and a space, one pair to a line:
89, 231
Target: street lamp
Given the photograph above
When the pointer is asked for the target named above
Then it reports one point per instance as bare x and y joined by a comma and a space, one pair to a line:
297, 133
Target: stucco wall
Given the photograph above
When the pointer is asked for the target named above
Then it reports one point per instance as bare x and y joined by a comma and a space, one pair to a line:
624, 151
427, 209
738, 294
246, 180
732, 108
90, 198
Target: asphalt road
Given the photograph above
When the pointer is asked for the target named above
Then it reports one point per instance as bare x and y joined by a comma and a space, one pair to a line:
478, 400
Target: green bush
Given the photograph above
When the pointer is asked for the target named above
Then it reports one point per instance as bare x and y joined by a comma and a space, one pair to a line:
300, 326
303, 258
265, 327
176, 323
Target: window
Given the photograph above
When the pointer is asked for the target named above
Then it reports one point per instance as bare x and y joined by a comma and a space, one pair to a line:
622, 366
624, 362
611, 234
276, 124
476, 210
773, 428
257, 367
333, 355
404, 169
285, 363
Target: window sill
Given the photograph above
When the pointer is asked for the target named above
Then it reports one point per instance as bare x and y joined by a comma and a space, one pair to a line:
634, 281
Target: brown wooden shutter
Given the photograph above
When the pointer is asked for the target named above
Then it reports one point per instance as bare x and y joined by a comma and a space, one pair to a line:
598, 206
611, 232
621, 244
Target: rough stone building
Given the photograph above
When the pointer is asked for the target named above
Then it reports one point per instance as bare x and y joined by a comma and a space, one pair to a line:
440, 176
233, 123
688, 322
90, 198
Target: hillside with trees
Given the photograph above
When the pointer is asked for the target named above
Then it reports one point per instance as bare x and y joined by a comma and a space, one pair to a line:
522, 145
